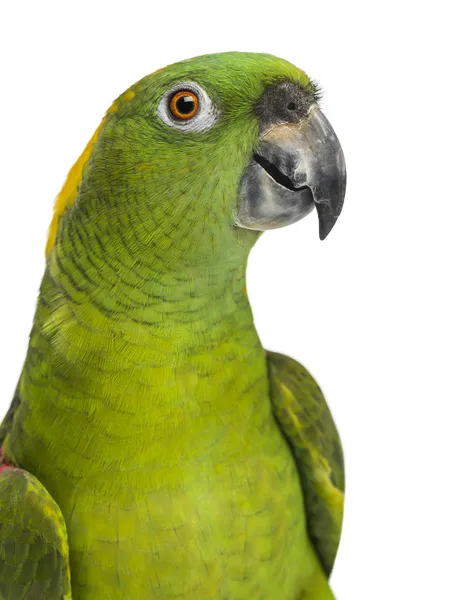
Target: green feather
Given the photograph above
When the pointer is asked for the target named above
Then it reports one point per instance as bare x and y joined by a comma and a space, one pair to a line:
144, 404
33, 541
304, 417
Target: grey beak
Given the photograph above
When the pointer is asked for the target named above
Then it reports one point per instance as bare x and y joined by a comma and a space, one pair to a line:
297, 166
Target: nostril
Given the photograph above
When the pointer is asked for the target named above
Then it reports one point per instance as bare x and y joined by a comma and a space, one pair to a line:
291, 106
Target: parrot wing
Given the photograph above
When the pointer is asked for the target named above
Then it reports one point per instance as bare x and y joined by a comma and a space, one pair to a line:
306, 422
33, 540
5, 425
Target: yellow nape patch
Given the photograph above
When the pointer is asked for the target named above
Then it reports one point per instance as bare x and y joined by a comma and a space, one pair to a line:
70, 188
128, 95
69, 191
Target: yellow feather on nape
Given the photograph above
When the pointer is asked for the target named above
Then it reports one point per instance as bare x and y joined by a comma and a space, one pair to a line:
69, 191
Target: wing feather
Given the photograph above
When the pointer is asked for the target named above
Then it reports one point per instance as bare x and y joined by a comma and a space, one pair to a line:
33, 540
305, 419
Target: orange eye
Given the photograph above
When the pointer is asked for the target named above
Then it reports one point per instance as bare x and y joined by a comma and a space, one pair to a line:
184, 105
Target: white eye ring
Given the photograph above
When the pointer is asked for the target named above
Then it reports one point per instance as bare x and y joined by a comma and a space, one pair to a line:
205, 117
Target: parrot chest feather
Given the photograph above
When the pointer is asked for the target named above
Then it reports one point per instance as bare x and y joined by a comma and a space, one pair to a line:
171, 472
219, 502
231, 527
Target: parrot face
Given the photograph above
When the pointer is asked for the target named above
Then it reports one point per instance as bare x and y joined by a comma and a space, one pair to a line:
202, 156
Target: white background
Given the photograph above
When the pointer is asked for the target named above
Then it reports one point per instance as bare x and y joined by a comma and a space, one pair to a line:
377, 312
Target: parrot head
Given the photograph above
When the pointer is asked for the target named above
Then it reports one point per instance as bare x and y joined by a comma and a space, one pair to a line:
200, 157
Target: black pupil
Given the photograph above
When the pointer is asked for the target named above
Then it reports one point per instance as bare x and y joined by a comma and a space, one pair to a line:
185, 105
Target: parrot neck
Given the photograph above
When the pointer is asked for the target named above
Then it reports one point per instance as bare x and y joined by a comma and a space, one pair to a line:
178, 306
152, 368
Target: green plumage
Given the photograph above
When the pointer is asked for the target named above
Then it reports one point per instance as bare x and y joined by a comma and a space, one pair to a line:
187, 461
33, 541
304, 417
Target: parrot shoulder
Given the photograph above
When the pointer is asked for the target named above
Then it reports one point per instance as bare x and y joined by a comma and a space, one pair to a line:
307, 424
5, 425
33, 540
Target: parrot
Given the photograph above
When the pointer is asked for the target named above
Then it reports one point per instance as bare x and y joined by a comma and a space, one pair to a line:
153, 448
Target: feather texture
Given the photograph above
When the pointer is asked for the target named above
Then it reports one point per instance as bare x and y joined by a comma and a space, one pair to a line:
144, 403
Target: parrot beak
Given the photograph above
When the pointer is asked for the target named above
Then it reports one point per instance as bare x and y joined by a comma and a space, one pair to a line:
296, 166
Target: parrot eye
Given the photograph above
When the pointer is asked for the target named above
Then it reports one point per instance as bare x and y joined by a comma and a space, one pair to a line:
184, 105
187, 107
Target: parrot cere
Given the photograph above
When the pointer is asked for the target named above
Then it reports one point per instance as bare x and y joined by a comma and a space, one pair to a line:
153, 448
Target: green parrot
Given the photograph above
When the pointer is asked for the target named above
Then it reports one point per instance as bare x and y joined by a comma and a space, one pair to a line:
153, 448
